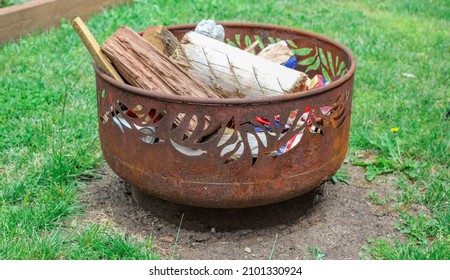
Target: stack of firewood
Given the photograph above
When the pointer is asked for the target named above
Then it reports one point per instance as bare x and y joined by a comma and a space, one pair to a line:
200, 64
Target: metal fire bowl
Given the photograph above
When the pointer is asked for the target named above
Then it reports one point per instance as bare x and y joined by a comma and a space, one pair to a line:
225, 162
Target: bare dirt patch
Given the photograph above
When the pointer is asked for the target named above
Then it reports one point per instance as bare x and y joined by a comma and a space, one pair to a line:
336, 218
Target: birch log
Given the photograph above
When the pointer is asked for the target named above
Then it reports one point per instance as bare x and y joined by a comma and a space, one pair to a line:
234, 72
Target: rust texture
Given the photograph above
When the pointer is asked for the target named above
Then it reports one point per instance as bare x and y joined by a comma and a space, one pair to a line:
230, 159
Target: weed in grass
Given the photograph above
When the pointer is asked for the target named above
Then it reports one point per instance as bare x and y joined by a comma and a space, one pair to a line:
418, 227
177, 238
388, 249
411, 192
272, 252
315, 253
96, 242
375, 199
341, 176
428, 231
391, 159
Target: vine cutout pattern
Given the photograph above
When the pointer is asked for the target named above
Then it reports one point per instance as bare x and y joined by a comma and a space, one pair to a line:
232, 140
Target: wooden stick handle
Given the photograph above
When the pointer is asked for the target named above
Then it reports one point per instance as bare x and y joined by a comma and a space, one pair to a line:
94, 49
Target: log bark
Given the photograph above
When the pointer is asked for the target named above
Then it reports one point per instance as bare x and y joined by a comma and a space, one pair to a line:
142, 65
234, 72
94, 49
161, 38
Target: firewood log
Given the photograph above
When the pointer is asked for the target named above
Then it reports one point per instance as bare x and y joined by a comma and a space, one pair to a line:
234, 72
94, 49
161, 38
278, 53
144, 66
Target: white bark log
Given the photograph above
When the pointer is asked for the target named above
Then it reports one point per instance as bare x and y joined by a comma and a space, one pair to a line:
234, 72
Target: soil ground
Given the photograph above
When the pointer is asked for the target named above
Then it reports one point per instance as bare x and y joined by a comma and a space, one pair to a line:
336, 218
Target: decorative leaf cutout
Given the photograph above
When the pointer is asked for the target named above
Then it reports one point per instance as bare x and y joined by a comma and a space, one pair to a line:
313, 66
231, 43
323, 59
248, 41
291, 43
326, 75
261, 44
342, 69
302, 51
238, 39
330, 59
337, 62
308, 61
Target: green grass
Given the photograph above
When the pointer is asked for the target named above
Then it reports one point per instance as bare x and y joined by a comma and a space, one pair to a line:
341, 176
49, 144
5, 3
375, 199
314, 253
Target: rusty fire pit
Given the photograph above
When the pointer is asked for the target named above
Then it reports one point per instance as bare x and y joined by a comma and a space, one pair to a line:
231, 160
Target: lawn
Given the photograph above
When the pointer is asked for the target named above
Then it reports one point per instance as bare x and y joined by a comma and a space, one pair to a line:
5, 3
49, 146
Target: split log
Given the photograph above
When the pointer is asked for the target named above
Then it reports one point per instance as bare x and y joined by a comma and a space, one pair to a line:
278, 53
161, 38
142, 65
234, 72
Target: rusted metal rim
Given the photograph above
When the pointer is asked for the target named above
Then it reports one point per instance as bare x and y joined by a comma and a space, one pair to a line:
242, 101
